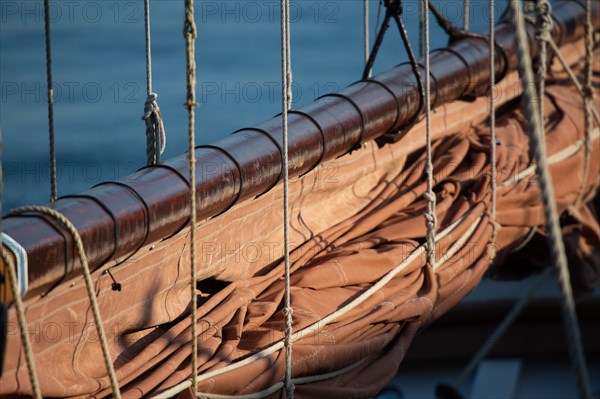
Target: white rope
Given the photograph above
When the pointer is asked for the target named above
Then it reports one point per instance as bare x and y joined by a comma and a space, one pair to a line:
324, 322
286, 98
89, 284
430, 217
555, 241
156, 138
560, 156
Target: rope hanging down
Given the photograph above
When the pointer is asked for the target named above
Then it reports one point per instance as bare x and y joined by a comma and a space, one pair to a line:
555, 241
493, 142
467, 9
53, 184
543, 33
16, 293
366, 30
156, 139
286, 103
430, 217
190, 34
88, 283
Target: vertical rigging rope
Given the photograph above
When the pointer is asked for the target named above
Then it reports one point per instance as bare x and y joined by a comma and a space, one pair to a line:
190, 33
467, 16
366, 30
53, 184
286, 79
544, 35
89, 284
493, 142
421, 28
430, 217
587, 98
19, 309
156, 139
555, 241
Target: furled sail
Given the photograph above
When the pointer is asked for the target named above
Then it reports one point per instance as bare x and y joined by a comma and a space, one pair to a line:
360, 285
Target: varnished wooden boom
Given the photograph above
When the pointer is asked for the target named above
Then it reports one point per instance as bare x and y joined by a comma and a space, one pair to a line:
114, 219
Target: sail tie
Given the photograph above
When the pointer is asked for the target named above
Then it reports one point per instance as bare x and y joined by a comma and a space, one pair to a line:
555, 240
88, 283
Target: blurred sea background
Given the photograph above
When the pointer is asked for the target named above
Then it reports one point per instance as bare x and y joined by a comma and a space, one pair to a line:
98, 54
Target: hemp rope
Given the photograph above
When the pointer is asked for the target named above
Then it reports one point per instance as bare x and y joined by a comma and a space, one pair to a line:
467, 11
493, 142
88, 283
430, 217
190, 33
14, 287
286, 98
53, 183
156, 139
555, 241
366, 30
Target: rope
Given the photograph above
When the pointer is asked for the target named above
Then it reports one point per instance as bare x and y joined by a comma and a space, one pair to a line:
286, 79
53, 184
502, 328
544, 25
190, 33
555, 241
560, 156
348, 307
587, 97
421, 29
14, 287
572, 76
493, 142
156, 138
366, 30
88, 283
430, 217
16, 293
467, 9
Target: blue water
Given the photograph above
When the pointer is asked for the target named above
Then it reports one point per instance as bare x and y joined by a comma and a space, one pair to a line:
100, 87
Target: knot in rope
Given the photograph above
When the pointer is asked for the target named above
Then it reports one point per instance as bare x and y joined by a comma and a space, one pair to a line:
545, 24
156, 139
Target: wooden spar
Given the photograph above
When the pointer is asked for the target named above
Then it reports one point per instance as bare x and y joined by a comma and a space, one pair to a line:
115, 219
